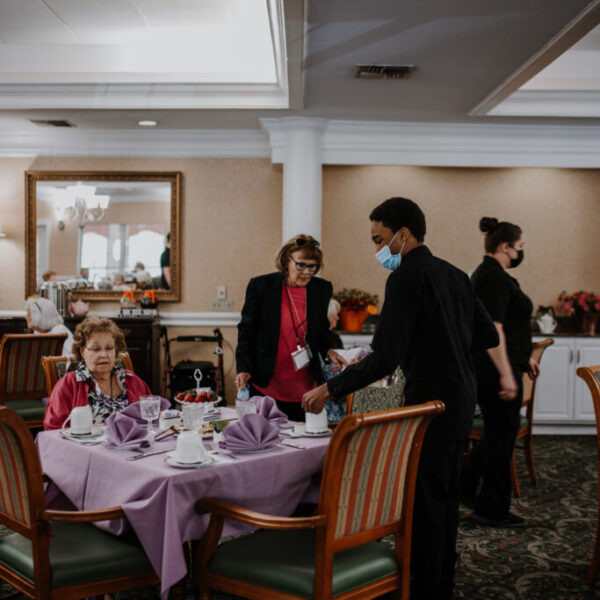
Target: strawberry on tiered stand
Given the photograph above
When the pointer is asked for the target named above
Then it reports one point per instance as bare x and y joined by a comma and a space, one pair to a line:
199, 394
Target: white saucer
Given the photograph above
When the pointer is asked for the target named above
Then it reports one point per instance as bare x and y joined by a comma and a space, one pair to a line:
173, 462
292, 433
96, 433
187, 461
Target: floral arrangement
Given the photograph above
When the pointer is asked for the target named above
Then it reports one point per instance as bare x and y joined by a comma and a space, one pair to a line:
356, 300
579, 303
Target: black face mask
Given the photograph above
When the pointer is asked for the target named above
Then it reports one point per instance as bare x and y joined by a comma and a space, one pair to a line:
515, 262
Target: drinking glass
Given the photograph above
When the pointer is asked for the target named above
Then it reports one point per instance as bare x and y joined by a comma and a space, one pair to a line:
192, 414
150, 410
245, 407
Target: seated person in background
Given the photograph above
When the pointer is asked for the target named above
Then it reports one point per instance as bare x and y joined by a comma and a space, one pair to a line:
119, 282
84, 274
96, 381
144, 280
139, 266
42, 317
49, 276
103, 283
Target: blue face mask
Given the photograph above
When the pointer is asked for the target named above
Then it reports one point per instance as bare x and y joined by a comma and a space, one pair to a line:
387, 259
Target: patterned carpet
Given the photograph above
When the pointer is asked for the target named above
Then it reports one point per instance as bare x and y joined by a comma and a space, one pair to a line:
549, 559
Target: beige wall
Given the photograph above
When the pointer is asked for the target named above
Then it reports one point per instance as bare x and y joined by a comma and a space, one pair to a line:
558, 210
232, 224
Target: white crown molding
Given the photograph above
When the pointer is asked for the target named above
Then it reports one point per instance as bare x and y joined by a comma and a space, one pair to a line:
168, 319
449, 145
200, 319
543, 103
136, 143
343, 143
143, 96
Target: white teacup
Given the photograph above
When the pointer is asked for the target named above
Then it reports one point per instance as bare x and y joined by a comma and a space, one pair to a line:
316, 423
81, 418
189, 447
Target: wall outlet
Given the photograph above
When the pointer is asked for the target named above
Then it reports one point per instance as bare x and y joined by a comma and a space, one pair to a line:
222, 305
221, 292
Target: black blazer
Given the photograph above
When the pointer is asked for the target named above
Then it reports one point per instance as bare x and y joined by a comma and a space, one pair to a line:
258, 331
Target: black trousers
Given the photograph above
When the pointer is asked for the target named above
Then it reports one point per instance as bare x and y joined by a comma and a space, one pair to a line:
435, 521
490, 462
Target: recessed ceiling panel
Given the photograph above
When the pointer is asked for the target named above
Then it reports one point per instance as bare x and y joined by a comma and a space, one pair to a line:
198, 45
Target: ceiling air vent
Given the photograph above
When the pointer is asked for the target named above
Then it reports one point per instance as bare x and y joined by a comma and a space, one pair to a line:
51, 123
383, 71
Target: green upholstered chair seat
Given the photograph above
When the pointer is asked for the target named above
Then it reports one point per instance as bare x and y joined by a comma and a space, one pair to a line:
79, 553
478, 423
28, 409
285, 561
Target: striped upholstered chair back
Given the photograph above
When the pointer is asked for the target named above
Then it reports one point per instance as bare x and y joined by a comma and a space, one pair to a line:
21, 491
21, 373
370, 472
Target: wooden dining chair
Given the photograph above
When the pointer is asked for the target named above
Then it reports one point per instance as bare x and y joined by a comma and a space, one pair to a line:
22, 381
56, 367
370, 471
525, 432
54, 554
591, 375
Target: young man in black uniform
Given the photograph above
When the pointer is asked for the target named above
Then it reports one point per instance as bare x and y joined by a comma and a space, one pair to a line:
430, 323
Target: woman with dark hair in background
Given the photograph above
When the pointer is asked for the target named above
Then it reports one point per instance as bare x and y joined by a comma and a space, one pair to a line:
499, 374
284, 328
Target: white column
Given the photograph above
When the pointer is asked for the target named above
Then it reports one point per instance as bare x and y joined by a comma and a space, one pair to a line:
302, 177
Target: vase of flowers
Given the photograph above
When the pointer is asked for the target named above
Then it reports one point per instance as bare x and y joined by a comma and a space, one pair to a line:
583, 306
355, 307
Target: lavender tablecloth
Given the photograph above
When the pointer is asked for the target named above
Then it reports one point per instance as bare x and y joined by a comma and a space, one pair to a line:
158, 500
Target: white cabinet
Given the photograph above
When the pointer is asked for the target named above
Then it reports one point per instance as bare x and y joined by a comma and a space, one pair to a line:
562, 398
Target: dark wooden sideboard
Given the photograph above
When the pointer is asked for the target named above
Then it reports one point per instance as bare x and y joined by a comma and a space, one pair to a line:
142, 335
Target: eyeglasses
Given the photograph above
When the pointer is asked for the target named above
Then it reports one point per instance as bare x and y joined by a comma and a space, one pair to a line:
302, 266
304, 242
108, 350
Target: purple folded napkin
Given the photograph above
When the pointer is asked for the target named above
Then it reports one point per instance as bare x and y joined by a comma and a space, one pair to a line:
133, 411
251, 432
124, 432
267, 407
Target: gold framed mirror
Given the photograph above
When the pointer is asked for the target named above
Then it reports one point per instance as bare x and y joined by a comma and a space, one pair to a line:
104, 232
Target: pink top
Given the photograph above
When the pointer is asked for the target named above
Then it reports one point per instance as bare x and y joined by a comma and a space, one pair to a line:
68, 393
287, 384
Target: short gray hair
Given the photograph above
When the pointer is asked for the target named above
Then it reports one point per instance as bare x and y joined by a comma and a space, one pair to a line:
43, 313
143, 276
334, 308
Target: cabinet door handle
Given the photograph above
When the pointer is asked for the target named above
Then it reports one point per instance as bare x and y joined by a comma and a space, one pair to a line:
570, 356
578, 356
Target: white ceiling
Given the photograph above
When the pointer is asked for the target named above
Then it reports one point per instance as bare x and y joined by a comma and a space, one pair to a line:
468, 54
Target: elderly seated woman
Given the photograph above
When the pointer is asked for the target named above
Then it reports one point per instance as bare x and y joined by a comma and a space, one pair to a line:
42, 317
96, 382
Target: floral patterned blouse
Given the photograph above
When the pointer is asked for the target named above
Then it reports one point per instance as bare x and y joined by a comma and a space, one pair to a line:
102, 404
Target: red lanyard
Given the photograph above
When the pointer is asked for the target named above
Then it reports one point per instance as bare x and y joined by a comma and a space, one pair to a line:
290, 305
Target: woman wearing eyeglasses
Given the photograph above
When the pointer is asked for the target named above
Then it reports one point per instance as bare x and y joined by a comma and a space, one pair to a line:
96, 382
284, 328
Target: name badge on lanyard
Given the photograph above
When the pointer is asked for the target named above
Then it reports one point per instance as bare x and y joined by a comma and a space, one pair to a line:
301, 357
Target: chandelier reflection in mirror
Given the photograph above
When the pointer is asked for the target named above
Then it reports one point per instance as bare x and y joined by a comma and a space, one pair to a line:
80, 204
